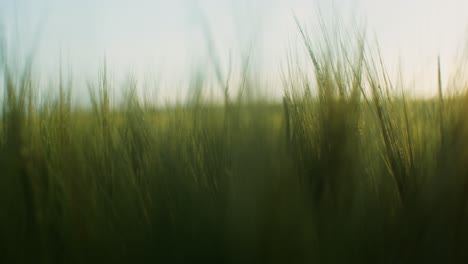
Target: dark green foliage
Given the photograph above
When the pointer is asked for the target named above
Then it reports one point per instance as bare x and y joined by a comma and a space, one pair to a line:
354, 174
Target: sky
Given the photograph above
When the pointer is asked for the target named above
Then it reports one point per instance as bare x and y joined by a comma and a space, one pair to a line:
166, 40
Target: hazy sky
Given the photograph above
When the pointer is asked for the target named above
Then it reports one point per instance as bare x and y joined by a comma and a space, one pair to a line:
166, 37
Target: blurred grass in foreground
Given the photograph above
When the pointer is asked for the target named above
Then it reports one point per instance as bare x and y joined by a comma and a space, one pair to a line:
356, 173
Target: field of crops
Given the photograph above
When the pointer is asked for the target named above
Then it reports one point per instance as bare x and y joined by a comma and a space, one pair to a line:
345, 169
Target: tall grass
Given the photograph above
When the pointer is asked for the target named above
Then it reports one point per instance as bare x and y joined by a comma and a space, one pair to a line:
354, 173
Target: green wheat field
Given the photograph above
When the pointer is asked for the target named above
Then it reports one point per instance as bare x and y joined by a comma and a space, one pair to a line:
345, 168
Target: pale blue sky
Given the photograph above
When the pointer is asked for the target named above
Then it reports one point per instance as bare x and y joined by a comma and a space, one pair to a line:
165, 37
